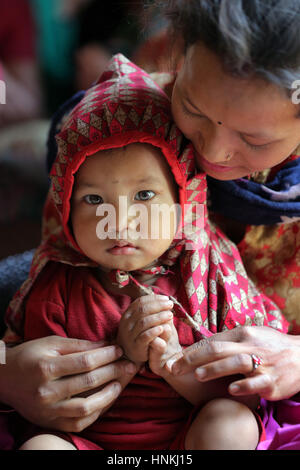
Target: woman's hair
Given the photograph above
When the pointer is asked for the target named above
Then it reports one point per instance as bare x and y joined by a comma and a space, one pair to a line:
252, 37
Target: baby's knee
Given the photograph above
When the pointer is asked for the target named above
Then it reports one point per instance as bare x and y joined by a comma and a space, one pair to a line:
47, 442
223, 424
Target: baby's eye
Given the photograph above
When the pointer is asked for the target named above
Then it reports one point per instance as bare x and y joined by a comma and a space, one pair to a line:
93, 199
144, 195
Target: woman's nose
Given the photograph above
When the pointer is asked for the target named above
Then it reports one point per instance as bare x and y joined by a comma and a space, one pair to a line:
216, 144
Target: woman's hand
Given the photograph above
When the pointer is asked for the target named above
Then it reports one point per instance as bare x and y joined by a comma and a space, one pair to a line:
229, 353
40, 376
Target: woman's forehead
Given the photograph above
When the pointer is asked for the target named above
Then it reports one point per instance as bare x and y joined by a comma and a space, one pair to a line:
245, 104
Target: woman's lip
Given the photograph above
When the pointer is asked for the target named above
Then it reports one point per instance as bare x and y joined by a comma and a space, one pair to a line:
216, 167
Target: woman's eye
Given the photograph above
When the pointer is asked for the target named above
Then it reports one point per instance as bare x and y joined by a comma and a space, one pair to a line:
190, 113
93, 199
257, 147
144, 195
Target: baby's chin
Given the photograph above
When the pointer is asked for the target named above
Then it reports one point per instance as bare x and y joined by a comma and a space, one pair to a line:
123, 265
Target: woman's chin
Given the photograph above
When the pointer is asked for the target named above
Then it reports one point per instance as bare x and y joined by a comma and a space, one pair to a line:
232, 175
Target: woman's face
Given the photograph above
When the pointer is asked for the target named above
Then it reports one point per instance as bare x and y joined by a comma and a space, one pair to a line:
251, 120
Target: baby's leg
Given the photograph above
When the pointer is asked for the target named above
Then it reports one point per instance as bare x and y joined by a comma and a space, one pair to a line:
223, 424
47, 442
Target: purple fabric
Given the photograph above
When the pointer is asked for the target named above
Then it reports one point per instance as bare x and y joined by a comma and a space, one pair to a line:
6, 439
282, 424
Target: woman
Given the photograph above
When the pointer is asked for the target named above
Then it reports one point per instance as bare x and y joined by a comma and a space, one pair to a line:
235, 96
232, 98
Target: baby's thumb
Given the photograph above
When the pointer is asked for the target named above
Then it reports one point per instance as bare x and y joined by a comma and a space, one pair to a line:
158, 345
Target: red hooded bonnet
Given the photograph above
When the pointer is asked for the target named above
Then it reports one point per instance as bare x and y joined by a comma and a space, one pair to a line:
126, 106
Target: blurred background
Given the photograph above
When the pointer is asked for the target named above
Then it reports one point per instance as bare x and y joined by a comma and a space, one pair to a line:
49, 49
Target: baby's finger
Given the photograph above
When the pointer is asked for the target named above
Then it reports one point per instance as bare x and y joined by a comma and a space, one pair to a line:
145, 323
145, 338
149, 304
159, 345
167, 333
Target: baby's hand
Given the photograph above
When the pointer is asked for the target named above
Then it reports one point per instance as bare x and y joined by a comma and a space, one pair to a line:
163, 348
142, 322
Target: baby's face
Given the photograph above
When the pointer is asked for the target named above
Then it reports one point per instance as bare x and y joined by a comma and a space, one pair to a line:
124, 207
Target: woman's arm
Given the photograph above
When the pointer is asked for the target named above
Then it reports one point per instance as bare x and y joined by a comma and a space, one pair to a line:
229, 353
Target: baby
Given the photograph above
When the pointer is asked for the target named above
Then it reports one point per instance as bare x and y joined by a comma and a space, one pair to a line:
123, 259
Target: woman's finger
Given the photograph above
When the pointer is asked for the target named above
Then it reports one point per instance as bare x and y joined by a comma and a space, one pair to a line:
63, 346
237, 364
80, 362
260, 384
70, 386
74, 424
205, 352
81, 407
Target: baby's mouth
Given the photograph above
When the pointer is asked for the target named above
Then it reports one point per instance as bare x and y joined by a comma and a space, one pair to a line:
122, 247
122, 243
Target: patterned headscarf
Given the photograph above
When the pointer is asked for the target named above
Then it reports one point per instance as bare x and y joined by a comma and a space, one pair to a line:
125, 106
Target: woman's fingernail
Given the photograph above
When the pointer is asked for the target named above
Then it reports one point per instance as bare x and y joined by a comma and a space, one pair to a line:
117, 387
169, 364
118, 351
130, 368
234, 388
201, 373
